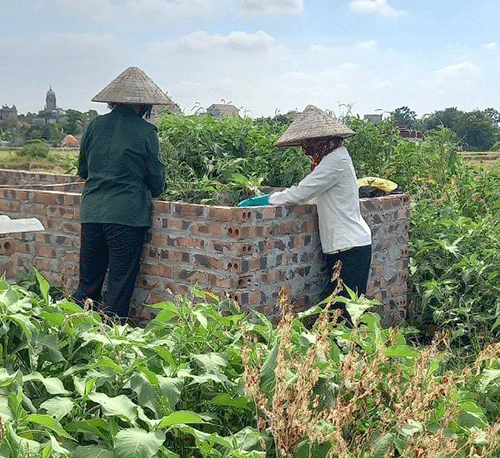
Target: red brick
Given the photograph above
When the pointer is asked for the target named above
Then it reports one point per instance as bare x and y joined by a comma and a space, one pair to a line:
188, 210
73, 256
34, 210
159, 239
41, 264
268, 212
61, 212
45, 251
73, 199
211, 229
160, 207
175, 256
21, 194
9, 206
226, 214
159, 270
187, 242
221, 282
71, 228
241, 249
48, 197
209, 262
254, 297
176, 288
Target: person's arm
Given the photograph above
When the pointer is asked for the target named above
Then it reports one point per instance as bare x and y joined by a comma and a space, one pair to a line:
83, 170
155, 171
321, 179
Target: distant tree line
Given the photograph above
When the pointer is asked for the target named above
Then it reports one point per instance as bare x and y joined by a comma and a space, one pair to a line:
28, 127
474, 130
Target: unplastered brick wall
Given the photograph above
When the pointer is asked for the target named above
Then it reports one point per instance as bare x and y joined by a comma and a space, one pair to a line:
246, 253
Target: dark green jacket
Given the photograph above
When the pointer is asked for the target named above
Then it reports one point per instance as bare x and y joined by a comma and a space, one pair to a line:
119, 160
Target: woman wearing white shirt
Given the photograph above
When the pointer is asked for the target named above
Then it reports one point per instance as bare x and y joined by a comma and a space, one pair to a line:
332, 186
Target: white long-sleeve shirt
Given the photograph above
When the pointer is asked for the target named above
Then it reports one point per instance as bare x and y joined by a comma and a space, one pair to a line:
333, 188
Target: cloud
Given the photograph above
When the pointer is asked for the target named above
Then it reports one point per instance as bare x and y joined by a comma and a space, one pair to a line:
202, 42
272, 6
379, 7
452, 79
462, 70
491, 46
368, 45
66, 49
151, 10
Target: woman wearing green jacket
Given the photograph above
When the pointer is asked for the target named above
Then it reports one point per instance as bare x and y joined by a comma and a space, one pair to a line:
119, 161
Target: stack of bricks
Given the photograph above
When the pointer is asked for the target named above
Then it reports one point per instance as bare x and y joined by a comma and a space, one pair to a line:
245, 253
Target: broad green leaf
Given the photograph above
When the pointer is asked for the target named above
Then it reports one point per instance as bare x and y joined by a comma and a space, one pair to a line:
212, 363
9, 297
104, 362
403, 351
227, 401
24, 323
180, 417
201, 318
168, 311
43, 285
488, 376
472, 415
267, 376
171, 388
146, 394
204, 440
52, 384
5, 412
96, 427
58, 407
7, 379
54, 318
383, 444
135, 442
165, 354
496, 324
50, 348
56, 447
356, 310
49, 423
120, 406
94, 451
411, 427
19, 444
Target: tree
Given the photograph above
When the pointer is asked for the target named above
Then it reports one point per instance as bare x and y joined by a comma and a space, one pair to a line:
476, 130
446, 118
494, 115
404, 118
74, 122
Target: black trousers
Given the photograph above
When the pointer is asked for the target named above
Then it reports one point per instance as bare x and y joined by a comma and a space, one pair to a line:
355, 269
112, 248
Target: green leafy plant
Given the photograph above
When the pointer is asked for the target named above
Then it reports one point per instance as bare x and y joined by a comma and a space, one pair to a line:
34, 149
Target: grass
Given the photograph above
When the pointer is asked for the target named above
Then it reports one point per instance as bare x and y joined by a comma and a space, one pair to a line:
484, 158
58, 161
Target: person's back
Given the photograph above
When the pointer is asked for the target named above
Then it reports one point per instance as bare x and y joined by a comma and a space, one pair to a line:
119, 160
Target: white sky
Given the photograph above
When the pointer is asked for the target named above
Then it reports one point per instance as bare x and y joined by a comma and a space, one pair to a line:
265, 56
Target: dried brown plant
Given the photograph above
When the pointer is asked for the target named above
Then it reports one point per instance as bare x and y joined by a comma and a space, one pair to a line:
375, 396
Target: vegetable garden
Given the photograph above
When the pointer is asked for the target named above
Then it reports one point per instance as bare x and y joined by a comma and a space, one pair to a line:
205, 379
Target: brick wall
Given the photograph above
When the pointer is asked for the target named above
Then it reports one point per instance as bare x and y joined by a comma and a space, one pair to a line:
247, 253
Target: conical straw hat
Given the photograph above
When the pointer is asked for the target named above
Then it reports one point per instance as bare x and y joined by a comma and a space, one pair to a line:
133, 86
313, 123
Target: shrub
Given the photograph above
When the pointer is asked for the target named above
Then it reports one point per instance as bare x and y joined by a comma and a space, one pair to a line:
35, 149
